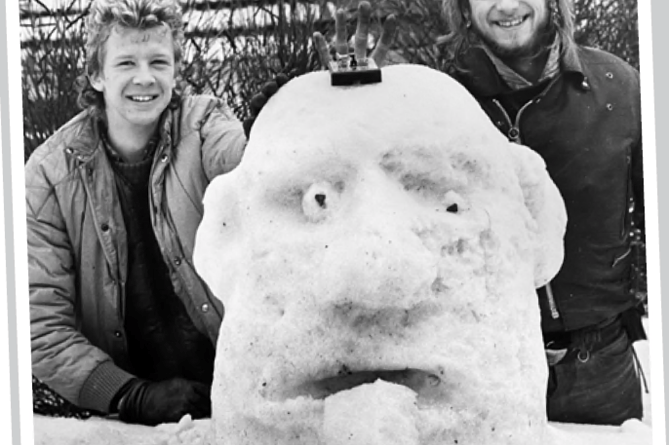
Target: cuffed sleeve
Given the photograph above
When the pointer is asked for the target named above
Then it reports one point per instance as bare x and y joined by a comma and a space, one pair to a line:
102, 385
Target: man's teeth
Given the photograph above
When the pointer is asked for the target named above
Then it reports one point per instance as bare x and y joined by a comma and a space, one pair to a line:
141, 98
510, 23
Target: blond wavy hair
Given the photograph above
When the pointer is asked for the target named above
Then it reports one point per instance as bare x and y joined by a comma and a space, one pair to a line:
103, 17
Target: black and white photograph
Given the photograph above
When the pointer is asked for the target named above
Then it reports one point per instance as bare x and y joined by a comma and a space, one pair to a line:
345, 222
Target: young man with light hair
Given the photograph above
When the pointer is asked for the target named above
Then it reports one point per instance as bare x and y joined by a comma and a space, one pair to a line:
120, 320
579, 108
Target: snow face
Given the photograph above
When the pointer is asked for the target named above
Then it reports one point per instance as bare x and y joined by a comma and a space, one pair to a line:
377, 253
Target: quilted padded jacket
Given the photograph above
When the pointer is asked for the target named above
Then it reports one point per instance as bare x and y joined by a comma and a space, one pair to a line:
77, 250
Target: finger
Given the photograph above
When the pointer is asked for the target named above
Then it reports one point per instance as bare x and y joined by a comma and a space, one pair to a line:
282, 79
247, 124
387, 37
200, 406
200, 410
202, 390
362, 31
269, 88
291, 74
257, 102
341, 40
322, 50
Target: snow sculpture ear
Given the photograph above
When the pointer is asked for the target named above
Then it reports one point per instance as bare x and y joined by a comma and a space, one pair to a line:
217, 242
546, 207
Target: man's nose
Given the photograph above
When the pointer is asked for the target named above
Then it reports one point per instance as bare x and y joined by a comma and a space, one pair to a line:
144, 75
507, 6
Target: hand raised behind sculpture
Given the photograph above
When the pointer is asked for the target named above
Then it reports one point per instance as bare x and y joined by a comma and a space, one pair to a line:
379, 53
259, 99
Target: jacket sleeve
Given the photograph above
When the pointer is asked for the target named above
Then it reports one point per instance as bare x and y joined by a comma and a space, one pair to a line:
62, 357
223, 140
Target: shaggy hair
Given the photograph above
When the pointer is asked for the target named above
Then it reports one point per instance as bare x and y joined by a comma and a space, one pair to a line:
461, 38
103, 17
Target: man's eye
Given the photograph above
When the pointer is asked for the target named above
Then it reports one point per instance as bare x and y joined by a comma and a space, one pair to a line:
125, 63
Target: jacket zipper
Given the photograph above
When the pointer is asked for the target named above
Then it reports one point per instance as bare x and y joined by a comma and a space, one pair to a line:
514, 136
514, 131
629, 201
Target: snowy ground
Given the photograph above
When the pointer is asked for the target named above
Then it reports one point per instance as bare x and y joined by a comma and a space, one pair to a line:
59, 431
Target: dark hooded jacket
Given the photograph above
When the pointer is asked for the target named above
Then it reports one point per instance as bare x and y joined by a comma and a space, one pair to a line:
586, 124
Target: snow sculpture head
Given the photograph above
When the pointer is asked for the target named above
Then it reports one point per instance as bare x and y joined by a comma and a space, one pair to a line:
377, 253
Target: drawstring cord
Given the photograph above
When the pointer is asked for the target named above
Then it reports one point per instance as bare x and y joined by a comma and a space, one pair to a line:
637, 365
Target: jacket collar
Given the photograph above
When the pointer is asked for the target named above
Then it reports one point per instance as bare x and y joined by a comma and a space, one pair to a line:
515, 80
86, 138
479, 74
89, 139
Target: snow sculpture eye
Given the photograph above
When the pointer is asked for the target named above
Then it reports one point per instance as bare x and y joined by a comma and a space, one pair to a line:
320, 199
454, 203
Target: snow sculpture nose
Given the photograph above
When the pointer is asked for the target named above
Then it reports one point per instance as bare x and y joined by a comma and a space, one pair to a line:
384, 263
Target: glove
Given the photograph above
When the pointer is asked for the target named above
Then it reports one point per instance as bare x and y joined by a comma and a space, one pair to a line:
259, 100
152, 403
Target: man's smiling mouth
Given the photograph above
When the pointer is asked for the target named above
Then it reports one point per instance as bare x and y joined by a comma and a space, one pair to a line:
510, 23
142, 98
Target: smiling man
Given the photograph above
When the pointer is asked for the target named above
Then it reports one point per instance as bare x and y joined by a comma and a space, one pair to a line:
120, 321
136, 81
579, 108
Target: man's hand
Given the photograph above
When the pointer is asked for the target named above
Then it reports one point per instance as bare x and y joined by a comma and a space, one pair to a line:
152, 403
360, 40
260, 99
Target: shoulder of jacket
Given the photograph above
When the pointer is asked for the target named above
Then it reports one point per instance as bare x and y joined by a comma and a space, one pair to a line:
71, 133
54, 161
196, 109
599, 60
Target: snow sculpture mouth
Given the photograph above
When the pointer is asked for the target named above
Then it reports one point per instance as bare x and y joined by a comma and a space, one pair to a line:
425, 384
377, 253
